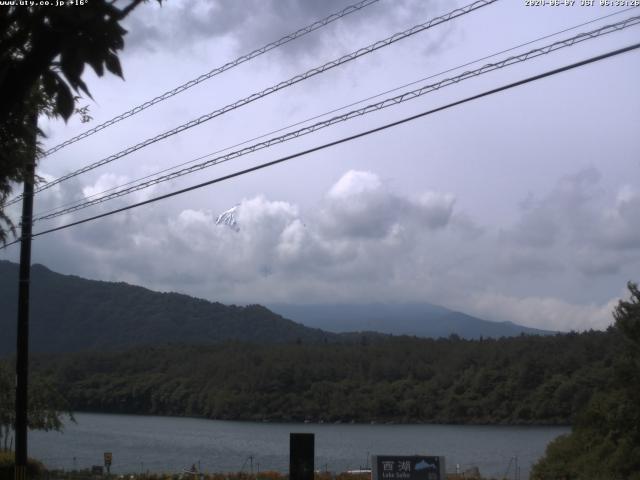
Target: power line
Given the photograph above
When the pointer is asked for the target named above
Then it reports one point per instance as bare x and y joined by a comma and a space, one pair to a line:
345, 139
216, 71
315, 117
287, 83
354, 113
347, 116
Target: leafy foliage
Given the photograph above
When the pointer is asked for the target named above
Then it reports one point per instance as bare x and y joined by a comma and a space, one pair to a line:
43, 53
521, 380
605, 441
46, 404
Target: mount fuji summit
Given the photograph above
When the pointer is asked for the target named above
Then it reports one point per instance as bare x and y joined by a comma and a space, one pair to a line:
229, 218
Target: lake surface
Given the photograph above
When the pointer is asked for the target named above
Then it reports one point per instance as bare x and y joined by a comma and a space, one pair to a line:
170, 444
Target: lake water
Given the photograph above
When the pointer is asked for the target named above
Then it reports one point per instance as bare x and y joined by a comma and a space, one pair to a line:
169, 444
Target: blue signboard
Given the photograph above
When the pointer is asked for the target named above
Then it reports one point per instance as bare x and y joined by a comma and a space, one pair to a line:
413, 467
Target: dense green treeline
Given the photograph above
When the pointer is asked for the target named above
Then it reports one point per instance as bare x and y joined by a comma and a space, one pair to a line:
604, 443
523, 380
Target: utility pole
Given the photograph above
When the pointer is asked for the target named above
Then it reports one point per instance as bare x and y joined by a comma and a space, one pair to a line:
22, 350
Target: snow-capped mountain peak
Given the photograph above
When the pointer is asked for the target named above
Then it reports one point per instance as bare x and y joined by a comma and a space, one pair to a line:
229, 218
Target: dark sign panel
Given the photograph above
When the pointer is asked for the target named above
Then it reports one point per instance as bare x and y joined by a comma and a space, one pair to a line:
301, 456
97, 470
414, 467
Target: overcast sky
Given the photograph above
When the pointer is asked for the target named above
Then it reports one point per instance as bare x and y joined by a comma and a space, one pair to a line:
522, 206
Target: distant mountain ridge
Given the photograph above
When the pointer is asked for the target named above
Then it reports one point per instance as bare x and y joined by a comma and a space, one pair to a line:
418, 319
69, 313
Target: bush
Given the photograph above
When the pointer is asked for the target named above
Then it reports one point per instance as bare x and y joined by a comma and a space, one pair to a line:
35, 469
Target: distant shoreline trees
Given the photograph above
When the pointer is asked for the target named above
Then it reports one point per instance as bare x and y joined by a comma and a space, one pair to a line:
523, 380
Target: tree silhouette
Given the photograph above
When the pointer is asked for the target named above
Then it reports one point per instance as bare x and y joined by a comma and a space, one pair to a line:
46, 407
605, 441
43, 54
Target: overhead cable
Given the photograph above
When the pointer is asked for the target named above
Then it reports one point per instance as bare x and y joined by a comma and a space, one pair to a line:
531, 54
287, 83
342, 140
329, 112
216, 71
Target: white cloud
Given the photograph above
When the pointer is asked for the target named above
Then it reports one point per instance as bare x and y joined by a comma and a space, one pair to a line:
365, 242
544, 312
105, 182
575, 241
354, 184
434, 209
359, 205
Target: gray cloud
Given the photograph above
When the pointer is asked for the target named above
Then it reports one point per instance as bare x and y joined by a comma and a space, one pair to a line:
573, 216
365, 242
545, 312
565, 211
249, 24
563, 256
359, 220
622, 223
528, 262
359, 206
591, 263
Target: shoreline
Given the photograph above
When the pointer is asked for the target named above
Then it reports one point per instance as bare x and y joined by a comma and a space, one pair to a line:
321, 422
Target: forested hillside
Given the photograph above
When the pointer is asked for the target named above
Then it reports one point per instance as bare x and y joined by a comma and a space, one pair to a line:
70, 313
522, 380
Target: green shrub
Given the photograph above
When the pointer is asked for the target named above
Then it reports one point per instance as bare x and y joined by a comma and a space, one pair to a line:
35, 469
